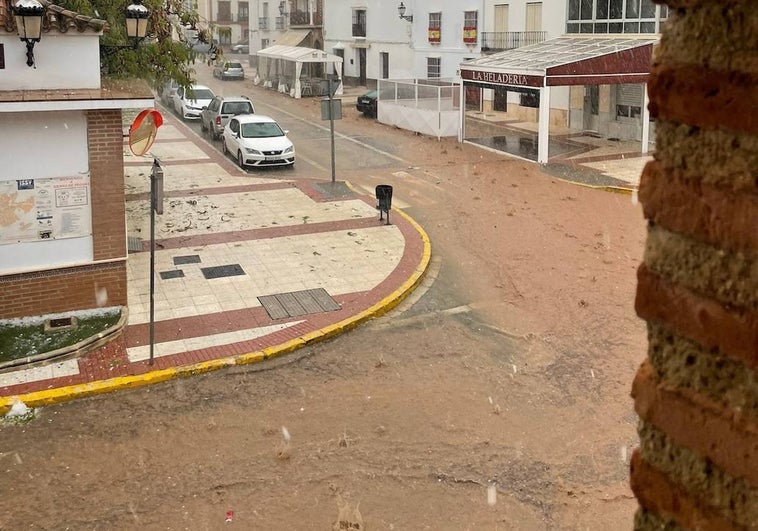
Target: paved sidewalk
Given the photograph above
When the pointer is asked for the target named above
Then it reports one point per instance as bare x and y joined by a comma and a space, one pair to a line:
247, 268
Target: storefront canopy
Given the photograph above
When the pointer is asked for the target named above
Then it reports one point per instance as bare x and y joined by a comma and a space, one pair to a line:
565, 61
281, 67
569, 60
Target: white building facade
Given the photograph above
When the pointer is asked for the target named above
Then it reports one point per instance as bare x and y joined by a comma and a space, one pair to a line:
430, 40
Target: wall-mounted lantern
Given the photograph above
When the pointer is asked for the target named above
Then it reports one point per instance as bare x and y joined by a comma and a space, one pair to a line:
136, 16
29, 14
401, 12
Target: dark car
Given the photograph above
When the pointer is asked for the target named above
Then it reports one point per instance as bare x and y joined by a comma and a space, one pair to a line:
367, 104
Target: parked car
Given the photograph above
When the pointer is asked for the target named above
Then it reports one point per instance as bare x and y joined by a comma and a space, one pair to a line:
229, 70
167, 92
214, 118
189, 103
367, 104
241, 47
258, 141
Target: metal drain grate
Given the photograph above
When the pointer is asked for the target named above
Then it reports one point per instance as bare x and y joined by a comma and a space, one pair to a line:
230, 270
296, 303
172, 273
187, 259
133, 244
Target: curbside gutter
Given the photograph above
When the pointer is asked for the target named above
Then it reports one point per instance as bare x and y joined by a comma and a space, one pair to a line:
72, 392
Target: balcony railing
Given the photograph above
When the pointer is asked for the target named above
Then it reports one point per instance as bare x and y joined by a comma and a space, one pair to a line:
263, 23
281, 23
497, 41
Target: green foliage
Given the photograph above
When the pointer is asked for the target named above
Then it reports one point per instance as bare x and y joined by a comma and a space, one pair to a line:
20, 339
164, 55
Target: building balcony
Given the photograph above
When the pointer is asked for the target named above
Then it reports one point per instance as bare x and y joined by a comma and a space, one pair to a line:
281, 23
498, 41
263, 23
303, 18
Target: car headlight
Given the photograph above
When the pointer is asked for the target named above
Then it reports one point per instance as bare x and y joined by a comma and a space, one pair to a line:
252, 151
290, 149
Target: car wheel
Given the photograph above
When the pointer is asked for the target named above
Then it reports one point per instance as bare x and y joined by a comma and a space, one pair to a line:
240, 160
224, 148
203, 127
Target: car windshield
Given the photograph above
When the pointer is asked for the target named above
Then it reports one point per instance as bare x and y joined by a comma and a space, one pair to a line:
261, 130
237, 107
201, 94
233, 65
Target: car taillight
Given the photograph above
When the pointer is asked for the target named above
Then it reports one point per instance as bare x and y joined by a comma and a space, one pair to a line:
218, 120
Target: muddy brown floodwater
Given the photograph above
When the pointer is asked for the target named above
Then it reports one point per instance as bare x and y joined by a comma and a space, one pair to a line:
495, 397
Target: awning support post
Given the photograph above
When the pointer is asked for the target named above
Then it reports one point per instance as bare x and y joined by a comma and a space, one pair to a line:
462, 113
544, 125
645, 120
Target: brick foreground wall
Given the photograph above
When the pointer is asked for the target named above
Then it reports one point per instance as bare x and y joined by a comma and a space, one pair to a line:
697, 391
89, 286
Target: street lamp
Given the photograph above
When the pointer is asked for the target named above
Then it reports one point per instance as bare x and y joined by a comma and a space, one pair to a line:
28, 15
401, 12
283, 9
136, 28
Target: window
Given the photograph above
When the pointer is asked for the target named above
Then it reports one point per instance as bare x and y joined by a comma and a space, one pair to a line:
359, 23
533, 16
242, 11
615, 16
433, 67
435, 27
530, 98
264, 44
385, 60
225, 11
469, 27
628, 101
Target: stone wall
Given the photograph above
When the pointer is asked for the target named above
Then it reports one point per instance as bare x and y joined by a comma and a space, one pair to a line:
697, 391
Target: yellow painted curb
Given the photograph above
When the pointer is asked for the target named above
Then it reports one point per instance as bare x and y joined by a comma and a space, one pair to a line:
71, 392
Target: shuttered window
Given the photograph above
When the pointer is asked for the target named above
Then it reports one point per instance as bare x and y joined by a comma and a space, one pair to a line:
629, 101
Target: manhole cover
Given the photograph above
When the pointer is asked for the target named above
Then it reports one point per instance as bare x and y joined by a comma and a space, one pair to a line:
295, 303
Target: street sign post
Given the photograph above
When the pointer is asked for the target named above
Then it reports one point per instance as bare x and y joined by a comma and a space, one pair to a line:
331, 110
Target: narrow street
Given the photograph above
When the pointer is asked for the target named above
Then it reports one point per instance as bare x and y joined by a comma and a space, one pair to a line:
495, 397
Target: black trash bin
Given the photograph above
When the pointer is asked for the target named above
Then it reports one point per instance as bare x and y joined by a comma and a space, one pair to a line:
384, 200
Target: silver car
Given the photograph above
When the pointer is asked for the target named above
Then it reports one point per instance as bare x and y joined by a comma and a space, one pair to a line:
229, 70
214, 118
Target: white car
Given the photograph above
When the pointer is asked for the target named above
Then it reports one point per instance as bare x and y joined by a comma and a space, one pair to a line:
257, 140
189, 103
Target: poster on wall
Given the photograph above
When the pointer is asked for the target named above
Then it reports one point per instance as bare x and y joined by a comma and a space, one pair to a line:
44, 209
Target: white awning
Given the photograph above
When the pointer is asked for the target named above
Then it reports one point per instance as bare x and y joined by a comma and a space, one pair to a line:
299, 54
281, 67
292, 37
